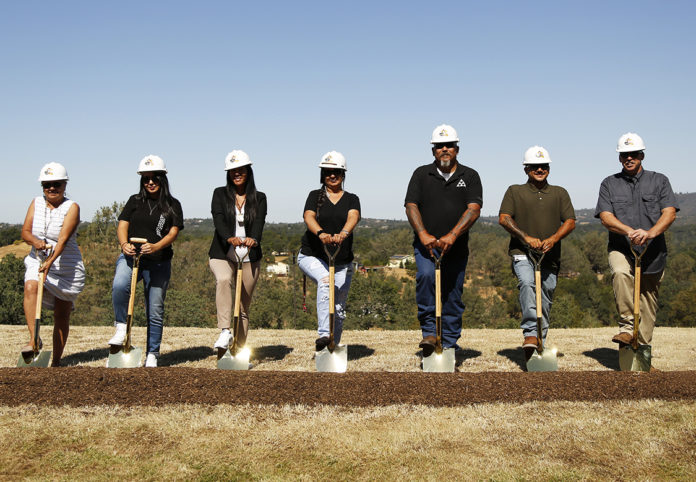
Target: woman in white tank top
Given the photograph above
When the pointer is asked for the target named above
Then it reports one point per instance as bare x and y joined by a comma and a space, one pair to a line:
52, 220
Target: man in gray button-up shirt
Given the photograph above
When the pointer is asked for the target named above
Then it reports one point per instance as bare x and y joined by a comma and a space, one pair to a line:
637, 207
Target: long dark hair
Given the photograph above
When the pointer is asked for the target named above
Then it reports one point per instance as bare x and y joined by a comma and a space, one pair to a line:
322, 191
165, 199
252, 202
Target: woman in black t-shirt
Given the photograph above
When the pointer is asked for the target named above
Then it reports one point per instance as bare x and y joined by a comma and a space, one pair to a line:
239, 214
155, 215
331, 215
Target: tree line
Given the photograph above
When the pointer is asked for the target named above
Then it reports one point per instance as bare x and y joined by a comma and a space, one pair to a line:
377, 300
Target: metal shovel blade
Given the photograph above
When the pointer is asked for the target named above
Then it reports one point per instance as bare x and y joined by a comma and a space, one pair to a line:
336, 362
440, 362
121, 359
238, 362
40, 360
546, 362
631, 360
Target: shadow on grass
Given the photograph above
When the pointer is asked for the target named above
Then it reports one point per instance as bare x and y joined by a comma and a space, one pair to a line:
609, 357
460, 356
515, 355
356, 352
184, 355
94, 354
270, 353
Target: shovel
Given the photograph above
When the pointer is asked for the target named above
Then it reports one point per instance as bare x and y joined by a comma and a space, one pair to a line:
541, 360
634, 357
333, 358
236, 358
36, 357
442, 360
128, 356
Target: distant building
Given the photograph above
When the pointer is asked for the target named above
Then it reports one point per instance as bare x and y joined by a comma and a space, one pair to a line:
278, 269
400, 260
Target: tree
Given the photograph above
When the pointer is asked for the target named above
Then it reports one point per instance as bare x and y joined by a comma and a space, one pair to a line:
11, 290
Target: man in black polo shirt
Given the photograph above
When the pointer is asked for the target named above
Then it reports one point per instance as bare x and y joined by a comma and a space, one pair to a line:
636, 206
537, 215
443, 201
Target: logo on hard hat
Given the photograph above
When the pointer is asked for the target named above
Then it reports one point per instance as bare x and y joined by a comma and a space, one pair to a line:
48, 171
148, 162
233, 158
540, 154
628, 142
443, 133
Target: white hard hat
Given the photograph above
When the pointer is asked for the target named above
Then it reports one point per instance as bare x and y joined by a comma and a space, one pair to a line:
444, 133
53, 172
152, 163
630, 142
536, 155
237, 159
333, 160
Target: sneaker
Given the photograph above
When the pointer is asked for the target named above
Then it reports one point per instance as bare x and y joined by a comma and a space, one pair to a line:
623, 338
530, 342
427, 344
120, 336
322, 343
151, 361
30, 348
223, 341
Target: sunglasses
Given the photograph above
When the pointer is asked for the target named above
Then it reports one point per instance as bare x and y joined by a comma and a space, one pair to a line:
632, 155
334, 172
147, 179
54, 184
536, 167
446, 145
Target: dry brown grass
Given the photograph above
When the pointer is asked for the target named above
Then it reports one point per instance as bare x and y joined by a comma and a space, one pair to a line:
20, 250
374, 350
644, 440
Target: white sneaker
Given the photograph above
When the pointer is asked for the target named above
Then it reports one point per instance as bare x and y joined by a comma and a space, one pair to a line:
151, 361
120, 336
224, 339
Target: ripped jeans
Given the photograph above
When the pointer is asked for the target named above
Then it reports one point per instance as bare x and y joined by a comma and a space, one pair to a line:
318, 270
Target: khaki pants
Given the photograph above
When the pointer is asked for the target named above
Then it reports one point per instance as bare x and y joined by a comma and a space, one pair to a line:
623, 281
225, 273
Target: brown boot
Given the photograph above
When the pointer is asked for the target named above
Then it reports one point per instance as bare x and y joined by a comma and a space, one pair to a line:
623, 338
529, 342
428, 345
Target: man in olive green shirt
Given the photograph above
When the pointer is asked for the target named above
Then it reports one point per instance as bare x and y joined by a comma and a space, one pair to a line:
537, 215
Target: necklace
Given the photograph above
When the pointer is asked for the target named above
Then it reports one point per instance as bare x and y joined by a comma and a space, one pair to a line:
151, 207
240, 207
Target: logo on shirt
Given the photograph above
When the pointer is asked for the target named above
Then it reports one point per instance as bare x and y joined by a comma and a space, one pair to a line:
461, 183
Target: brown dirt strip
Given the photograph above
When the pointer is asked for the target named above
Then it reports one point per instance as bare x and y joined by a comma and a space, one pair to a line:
87, 386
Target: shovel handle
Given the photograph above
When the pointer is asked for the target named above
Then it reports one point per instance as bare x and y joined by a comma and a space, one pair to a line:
136, 242
438, 301
536, 257
332, 292
636, 293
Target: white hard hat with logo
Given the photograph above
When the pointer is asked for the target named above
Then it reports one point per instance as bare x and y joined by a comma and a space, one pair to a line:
152, 163
237, 158
630, 142
536, 155
333, 160
444, 133
53, 171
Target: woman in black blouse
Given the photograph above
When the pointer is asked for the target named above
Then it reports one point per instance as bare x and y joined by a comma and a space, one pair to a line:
331, 215
239, 214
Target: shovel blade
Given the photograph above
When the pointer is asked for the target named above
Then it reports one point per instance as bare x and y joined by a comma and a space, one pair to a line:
336, 362
440, 362
238, 362
41, 360
546, 362
631, 360
120, 359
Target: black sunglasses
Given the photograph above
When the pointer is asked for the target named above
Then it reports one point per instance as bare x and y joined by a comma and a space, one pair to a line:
448, 145
53, 184
536, 167
632, 154
335, 172
147, 179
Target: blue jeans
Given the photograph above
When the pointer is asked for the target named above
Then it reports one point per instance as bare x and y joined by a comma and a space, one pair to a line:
318, 270
452, 272
524, 270
155, 277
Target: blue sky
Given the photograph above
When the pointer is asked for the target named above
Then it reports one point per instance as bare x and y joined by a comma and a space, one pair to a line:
98, 85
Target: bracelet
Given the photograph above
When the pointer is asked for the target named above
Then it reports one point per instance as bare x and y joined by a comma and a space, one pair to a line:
344, 231
320, 232
125, 242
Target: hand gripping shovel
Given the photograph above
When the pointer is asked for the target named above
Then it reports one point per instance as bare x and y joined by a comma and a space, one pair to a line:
541, 360
634, 357
442, 359
127, 356
36, 357
236, 357
333, 358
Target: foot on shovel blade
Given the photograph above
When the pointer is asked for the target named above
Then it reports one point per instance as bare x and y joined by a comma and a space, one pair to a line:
336, 362
635, 360
440, 362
